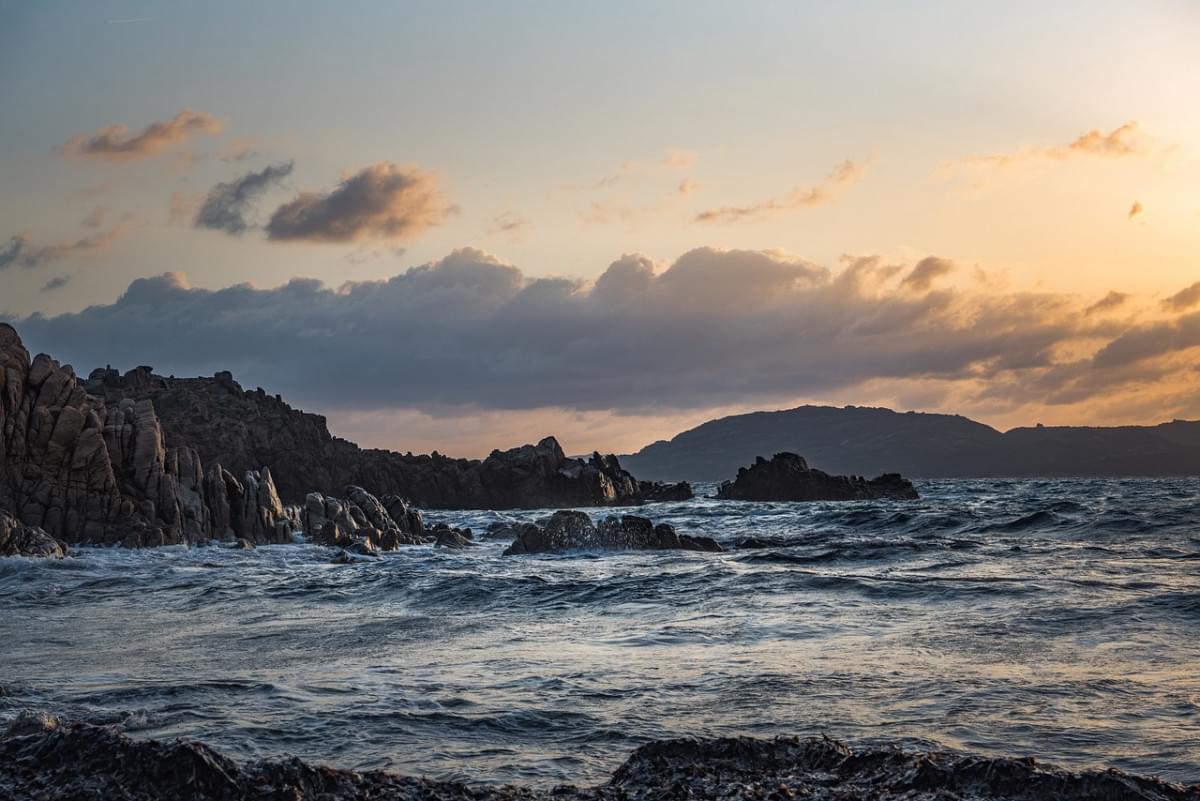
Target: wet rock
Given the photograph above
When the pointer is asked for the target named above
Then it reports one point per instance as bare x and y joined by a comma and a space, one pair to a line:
449, 537
342, 558
18, 539
360, 517
40, 757
242, 544
787, 477
574, 530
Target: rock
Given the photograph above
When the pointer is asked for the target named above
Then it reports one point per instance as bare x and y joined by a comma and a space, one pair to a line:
448, 537
244, 430
42, 758
18, 539
573, 530
360, 517
787, 477
362, 548
86, 470
342, 558
242, 544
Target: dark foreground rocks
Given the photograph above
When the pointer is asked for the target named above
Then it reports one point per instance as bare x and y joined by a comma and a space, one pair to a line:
574, 531
787, 477
43, 759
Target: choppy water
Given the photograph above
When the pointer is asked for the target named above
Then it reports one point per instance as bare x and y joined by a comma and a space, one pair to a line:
1054, 618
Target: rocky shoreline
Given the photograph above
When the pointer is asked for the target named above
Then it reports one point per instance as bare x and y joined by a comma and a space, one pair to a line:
41, 757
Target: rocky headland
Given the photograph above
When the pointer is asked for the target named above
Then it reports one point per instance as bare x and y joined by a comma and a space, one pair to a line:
42, 758
787, 477
246, 429
140, 460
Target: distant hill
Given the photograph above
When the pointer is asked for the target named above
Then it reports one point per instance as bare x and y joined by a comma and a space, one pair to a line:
869, 441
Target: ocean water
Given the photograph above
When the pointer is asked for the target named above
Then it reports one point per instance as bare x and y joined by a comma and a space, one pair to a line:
1059, 619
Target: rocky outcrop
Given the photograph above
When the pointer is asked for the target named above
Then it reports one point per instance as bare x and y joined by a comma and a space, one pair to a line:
244, 430
86, 471
43, 758
787, 477
574, 530
361, 522
18, 539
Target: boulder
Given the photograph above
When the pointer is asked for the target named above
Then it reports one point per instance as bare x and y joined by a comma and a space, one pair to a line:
574, 530
360, 517
18, 539
787, 477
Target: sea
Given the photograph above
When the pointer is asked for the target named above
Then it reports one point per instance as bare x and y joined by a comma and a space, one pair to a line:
1058, 619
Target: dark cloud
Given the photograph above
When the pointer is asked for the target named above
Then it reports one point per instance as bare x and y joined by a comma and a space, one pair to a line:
1107, 303
57, 282
801, 197
470, 331
925, 272
511, 225
382, 201
226, 204
116, 144
1135, 210
1184, 299
21, 252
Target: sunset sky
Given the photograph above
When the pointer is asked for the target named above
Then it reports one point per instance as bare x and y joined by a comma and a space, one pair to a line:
460, 226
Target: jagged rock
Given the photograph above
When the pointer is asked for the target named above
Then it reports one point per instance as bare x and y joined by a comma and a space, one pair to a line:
574, 530
86, 471
342, 558
787, 477
17, 539
360, 517
244, 430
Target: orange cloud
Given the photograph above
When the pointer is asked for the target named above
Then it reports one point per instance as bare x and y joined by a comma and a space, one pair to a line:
1184, 299
1135, 210
1122, 141
382, 201
801, 197
115, 144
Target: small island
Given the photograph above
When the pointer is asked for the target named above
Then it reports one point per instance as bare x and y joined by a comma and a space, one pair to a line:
787, 477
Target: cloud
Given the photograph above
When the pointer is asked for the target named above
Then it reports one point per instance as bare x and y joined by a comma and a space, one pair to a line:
687, 186
1184, 299
680, 159
226, 204
57, 282
1107, 303
1135, 210
511, 225
382, 201
713, 328
115, 144
801, 197
96, 217
1123, 141
21, 252
925, 272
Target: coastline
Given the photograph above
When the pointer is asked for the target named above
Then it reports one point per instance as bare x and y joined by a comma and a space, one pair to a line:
40, 754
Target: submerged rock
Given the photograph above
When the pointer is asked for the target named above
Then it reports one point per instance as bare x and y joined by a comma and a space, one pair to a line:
574, 530
40, 757
787, 477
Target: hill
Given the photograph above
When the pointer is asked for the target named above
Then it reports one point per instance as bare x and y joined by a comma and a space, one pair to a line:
869, 441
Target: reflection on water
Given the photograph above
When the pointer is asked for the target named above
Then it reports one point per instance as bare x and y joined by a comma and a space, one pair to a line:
1054, 618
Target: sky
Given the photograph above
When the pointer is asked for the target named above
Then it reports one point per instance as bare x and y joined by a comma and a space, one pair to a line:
462, 226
